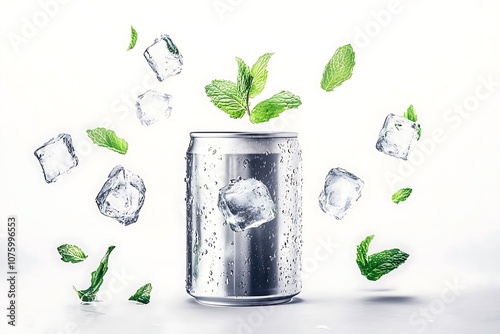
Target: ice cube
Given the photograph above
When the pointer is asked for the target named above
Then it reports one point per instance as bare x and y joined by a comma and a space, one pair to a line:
341, 190
164, 58
122, 196
397, 136
152, 106
246, 203
57, 157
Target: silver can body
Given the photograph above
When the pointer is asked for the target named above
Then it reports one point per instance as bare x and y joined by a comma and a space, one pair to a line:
256, 266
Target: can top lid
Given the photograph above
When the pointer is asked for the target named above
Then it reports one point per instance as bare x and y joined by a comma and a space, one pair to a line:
230, 134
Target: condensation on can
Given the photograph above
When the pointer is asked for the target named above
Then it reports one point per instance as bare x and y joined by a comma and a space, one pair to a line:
257, 266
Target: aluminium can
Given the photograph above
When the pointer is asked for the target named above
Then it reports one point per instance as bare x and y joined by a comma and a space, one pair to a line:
259, 265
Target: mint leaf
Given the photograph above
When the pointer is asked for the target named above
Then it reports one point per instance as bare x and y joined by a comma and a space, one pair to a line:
108, 139
274, 106
133, 38
143, 294
362, 251
384, 262
225, 96
401, 195
259, 74
339, 68
71, 253
410, 114
379, 264
96, 279
244, 81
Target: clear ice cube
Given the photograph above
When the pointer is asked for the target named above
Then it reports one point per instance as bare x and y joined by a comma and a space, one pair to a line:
246, 203
57, 157
164, 58
341, 190
397, 136
152, 106
122, 196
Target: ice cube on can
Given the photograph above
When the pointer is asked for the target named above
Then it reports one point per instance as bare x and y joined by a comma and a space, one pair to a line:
246, 203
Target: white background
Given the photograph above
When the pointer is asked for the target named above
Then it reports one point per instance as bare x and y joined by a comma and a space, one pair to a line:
64, 68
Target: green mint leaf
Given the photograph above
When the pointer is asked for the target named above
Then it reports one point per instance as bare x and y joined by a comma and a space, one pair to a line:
339, 68
133, 38
108, 139
71, 253
401, 195
274, 106
259, 74
244, 81
384, 262
379, 264
362, 252
143, 294
410, 114
225, 96
96, 279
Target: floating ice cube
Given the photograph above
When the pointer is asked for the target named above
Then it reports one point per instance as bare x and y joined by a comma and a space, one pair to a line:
246, 203
340, 191
164, 58
57, 157
152, 106
122, 196
397, 136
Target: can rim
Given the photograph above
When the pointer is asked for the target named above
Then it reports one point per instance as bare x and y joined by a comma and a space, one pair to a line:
241, 134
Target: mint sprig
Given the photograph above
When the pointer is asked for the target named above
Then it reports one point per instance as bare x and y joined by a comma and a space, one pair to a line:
412, 116
339, 68
401, 195
379, 264
143, 294
133, 38
71, 253
108, 139
234, 98
96, 279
